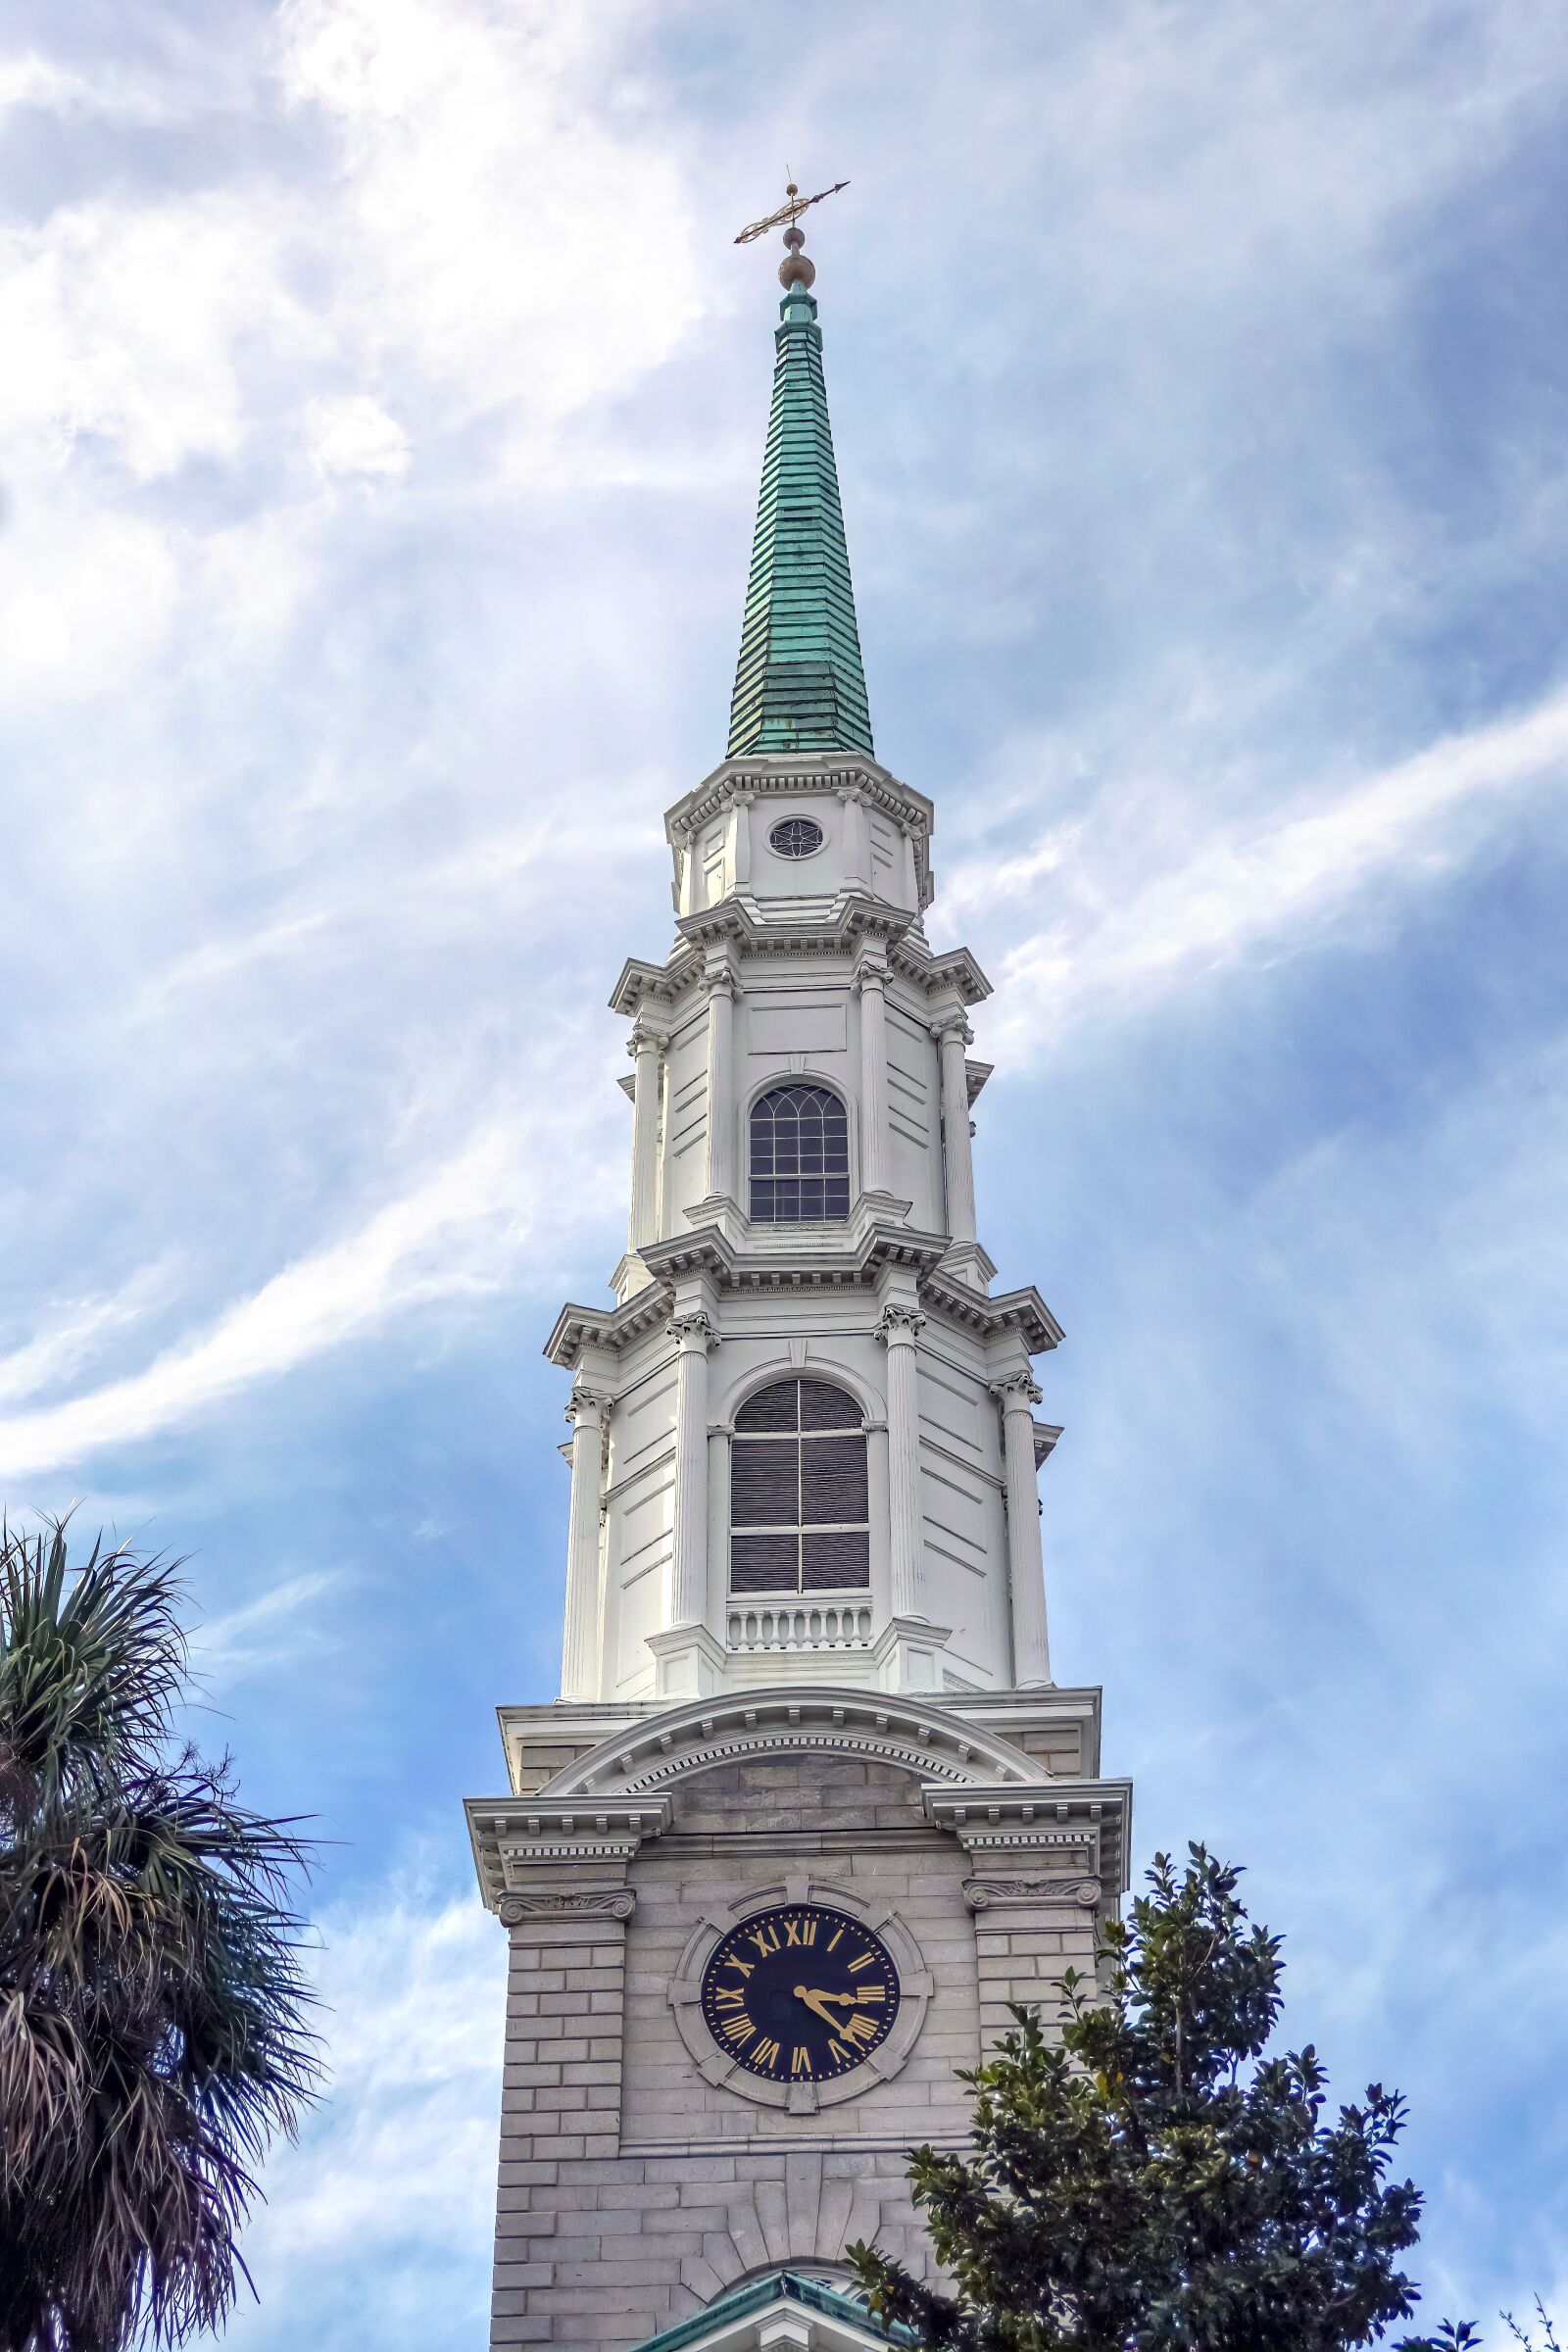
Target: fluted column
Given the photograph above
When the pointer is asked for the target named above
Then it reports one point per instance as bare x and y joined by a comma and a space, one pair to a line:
952, 1034
896, 1326
857, 841
871, 981
1017, 1397
645, 1047
721, 1079
692, 1333
719, 1433
581, 1636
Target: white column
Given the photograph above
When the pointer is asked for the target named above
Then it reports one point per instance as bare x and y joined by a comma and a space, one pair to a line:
740, 840
720, 1080
694, 1334
952, 1034
645, 1047
1017, 1397
871, 981
896, 1329
857, 843
579, 1644
718, 1437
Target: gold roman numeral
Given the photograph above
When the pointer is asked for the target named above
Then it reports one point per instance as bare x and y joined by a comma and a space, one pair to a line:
765, 1940
801, 2061
738, 2030
867, 1960
766, 2052
728, 1997
745, 1965
859, 2029
838, 1933
870, 1993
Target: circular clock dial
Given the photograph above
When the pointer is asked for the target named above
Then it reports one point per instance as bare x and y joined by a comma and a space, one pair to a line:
800, 1993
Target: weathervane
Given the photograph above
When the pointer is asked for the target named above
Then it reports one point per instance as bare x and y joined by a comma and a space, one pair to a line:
790, 210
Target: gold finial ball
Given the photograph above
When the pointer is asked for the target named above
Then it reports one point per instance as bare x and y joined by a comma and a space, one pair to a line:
795, 270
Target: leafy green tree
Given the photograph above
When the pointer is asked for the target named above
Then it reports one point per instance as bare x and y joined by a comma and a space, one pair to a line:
154, 2017
1151, 2179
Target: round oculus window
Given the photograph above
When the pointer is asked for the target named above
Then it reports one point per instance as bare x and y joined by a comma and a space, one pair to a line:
795, 837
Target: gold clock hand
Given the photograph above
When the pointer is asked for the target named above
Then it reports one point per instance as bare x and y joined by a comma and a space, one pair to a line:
814, 2002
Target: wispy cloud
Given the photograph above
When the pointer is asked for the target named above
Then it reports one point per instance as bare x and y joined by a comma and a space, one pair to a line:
262, 1633
460, 1231
1119, 935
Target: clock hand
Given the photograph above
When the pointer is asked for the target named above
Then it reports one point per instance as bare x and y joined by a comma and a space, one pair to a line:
814, 2002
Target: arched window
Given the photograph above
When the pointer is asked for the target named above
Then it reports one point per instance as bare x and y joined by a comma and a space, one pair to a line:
800, 1157
799, 1516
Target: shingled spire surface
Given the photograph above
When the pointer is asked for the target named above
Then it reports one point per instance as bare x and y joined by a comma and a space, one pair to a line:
799, 684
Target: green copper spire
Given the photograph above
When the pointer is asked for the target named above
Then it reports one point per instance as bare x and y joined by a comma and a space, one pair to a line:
799, 683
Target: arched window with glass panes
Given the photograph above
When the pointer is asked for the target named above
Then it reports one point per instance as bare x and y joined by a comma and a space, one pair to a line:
800, 1519
800, 1157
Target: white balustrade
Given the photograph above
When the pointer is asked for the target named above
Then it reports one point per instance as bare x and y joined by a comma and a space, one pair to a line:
800, 1625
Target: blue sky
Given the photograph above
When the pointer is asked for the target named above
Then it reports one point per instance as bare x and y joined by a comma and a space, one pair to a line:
381, 417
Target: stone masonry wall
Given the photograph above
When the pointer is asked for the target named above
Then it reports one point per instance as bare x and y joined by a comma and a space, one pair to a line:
632, 2191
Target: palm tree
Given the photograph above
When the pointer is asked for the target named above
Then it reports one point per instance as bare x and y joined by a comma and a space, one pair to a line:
154, 2030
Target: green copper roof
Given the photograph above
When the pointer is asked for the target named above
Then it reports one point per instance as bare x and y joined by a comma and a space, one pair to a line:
775, 2287
799, 683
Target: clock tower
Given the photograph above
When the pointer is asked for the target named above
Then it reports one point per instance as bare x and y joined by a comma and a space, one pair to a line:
809, 1811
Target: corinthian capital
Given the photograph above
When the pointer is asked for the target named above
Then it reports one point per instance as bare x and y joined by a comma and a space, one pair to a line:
953, 1023
694, 1329
1016, 1389
644, 1037
898, 1322
587, 1404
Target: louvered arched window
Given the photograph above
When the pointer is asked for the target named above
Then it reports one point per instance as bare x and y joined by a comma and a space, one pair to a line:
800, 1157
799, 1510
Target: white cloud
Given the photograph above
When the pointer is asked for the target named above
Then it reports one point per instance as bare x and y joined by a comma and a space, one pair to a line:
497, 222
87, 598
71, 1333
1125, 935
354, 436
125, 324
261, 1633
460, 1231
385, 2208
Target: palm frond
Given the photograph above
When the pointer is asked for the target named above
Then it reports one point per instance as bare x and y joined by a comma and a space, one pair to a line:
155, 2030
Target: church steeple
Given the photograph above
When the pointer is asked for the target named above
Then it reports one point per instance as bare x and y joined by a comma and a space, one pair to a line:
799, 684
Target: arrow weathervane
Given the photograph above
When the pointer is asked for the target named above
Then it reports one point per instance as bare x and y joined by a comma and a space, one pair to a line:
790, 210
